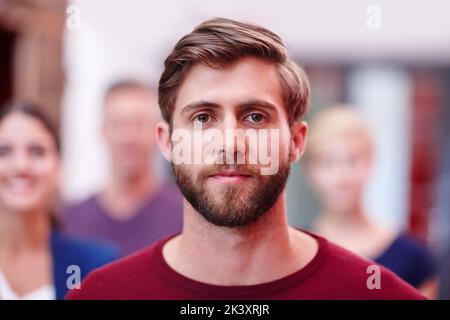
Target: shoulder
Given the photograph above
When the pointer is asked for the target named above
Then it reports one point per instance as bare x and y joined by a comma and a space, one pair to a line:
170, 192
412, 246
86, 202
367, 279
119, 277
410, 258
409, 252
77, 215
71, 209
87, 253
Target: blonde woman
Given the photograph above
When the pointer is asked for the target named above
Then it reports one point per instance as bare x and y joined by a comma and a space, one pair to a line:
339, 159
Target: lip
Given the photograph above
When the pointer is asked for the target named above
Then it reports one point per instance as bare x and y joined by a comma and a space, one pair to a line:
19, 185
230, 176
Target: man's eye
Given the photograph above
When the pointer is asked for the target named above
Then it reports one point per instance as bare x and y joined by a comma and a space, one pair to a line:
202, 118
255, 117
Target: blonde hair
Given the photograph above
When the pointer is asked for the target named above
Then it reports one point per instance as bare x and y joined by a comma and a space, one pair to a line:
337, 120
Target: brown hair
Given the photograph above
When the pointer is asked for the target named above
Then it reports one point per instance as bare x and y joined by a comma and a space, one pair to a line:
220, 42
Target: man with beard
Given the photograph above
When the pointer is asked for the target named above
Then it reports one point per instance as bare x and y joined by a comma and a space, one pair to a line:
236, 242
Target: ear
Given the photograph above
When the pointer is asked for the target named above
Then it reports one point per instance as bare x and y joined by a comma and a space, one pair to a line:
298, 135
164, 139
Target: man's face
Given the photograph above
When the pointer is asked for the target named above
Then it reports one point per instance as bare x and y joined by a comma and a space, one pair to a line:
243, 96
129, 128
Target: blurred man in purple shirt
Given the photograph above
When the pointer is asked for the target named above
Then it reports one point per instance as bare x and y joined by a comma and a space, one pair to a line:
135, 208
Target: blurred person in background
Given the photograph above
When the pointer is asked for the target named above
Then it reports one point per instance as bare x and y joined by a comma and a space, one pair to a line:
339, 160
34, 255
135, 208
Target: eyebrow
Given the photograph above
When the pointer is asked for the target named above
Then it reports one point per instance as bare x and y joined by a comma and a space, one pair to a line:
257, 103
199, 104
241, 106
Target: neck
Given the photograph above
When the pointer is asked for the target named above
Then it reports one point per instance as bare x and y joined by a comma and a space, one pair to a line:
24, 230
124, 194
261, 252
135, 185
354, 216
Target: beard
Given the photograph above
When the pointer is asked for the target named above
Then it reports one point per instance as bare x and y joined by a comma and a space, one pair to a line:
231, 205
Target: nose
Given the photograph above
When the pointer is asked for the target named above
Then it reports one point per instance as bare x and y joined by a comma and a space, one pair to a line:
21, 162
234, 147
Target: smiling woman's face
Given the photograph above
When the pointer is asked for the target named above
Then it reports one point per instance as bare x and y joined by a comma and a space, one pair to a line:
29, 164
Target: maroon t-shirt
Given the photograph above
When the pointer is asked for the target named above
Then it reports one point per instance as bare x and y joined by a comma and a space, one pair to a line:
334, 273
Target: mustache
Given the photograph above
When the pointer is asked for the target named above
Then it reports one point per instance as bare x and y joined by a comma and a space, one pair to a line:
241, 169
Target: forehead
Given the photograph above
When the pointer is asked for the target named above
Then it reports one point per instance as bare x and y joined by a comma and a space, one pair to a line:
343, 143
128, 102
246, 79
30, 129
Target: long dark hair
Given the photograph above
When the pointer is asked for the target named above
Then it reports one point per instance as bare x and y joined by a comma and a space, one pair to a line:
36, 112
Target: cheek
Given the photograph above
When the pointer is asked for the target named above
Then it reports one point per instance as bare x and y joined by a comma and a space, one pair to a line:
321, 179
111, 133
190, 171
148, 138
5, 168
279, 144
47, 172
360, 174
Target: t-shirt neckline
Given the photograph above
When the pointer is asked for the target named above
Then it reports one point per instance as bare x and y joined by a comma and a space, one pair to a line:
192, 285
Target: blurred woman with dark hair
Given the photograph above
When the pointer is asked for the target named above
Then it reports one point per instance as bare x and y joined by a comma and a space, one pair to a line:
35, 257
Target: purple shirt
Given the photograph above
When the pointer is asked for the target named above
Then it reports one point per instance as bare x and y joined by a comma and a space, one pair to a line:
158, 217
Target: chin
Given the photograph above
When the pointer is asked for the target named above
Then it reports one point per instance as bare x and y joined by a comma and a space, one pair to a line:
344, 207
20, 208
130, 168
22, 204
